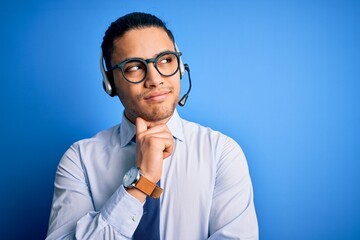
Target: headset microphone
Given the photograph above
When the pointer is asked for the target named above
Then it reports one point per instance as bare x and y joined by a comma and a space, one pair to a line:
183, 99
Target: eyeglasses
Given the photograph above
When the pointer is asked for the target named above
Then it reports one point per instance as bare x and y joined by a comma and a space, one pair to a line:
135, 70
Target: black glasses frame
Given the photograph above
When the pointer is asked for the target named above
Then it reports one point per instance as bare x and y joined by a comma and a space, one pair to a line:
146, 62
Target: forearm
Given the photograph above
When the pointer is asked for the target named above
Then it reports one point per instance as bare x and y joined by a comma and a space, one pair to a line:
74, 214
117, 219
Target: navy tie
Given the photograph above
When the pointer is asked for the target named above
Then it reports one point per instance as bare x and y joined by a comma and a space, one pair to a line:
148, 228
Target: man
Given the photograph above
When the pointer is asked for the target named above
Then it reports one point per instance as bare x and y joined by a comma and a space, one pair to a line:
205, 191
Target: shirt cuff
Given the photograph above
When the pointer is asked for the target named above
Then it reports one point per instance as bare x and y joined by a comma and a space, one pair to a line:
123, 212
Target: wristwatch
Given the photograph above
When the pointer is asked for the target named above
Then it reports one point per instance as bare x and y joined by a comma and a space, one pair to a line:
134, 179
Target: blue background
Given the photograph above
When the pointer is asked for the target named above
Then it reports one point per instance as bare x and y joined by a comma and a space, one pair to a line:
280, 77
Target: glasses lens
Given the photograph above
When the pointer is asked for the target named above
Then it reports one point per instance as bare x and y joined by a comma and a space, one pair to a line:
134, 70
167, 64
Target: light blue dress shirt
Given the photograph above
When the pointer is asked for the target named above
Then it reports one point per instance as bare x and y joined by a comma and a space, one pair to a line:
207, 188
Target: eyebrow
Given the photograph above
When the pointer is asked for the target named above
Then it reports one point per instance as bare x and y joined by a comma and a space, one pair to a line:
157, 54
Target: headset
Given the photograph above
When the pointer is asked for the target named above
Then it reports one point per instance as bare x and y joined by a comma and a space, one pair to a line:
108, 81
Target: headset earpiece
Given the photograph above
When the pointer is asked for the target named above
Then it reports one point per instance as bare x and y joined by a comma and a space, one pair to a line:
108, 81
182, 67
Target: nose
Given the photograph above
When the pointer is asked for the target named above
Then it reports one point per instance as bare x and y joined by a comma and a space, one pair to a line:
153, 78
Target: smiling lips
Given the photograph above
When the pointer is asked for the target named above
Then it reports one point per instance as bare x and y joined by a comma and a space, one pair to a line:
157, 96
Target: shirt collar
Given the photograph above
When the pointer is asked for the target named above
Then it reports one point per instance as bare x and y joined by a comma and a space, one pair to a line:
128, 129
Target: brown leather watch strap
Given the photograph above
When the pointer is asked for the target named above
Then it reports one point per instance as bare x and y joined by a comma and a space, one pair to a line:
148, 187
157, 192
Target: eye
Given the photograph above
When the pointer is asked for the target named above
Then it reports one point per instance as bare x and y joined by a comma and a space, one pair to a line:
133, 67
166, 59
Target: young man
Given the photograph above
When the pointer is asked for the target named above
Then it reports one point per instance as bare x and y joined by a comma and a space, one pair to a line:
105, 186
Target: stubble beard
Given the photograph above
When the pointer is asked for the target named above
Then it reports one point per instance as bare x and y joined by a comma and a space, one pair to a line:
156, 114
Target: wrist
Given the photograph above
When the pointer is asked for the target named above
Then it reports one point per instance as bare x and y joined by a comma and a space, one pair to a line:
136, 193
134, 179
149, 175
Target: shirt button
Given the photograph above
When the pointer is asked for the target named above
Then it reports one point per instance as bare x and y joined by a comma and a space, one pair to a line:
134, 218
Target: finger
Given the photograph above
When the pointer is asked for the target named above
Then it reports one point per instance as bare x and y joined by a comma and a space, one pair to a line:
157, 129
162, 141
169, 147
160, 131
157, 132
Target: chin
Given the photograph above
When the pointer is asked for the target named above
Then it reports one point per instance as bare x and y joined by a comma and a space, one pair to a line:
157, 114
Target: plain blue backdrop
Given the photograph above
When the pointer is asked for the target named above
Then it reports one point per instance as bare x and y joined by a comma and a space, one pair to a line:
280, 77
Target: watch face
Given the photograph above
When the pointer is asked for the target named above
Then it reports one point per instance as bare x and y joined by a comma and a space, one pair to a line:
130, 177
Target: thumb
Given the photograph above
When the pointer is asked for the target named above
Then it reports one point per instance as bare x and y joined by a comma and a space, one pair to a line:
141, 125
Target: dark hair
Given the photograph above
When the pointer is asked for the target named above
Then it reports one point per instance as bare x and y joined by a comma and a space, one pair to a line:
125, 23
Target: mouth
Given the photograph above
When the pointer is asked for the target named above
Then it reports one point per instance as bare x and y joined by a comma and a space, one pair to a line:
157, 96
